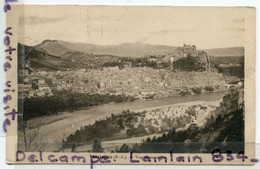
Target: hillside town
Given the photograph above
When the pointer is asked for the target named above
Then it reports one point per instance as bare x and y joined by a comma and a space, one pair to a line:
139, 82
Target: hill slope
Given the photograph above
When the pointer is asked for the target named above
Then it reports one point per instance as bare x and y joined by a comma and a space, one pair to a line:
126, 49
39, 57
88, 60
56, 54
224, 130
234, 51
138, 49
52, 47
32, 58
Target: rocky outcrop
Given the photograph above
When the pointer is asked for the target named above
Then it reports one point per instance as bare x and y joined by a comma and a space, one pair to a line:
187, 58
227, 131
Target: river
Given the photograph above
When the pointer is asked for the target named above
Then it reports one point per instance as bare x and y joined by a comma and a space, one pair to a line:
143, 104
55, 128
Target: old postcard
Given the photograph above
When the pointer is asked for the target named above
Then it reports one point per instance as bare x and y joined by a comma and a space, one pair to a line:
130, 85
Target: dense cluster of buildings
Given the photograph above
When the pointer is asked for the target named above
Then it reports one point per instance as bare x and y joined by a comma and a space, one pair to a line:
32, 86
139, 82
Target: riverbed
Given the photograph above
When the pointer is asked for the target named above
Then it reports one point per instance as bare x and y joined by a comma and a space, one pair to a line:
52, 129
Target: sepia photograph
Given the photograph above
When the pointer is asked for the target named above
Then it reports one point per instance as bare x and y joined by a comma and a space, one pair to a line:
131, 79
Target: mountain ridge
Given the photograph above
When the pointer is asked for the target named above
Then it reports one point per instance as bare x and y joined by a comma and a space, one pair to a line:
65, 55
135, 50
230, 51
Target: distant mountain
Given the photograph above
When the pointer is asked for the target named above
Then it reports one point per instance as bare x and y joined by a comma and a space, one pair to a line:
88, 60
56, 54
138, 49
44, 56
36, 58
52, 47
233, 51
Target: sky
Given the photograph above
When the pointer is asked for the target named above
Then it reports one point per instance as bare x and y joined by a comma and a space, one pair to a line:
206, 27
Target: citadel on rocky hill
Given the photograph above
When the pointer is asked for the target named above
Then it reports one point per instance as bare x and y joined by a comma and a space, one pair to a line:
189, 54
190, 50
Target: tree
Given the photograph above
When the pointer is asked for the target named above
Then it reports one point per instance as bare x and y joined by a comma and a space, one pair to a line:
151, 128
136, 148
154, 139
141, 129
29, 135
219, 120
148, 140
193, 127
97, 146
124, 148
130, 132
171, 133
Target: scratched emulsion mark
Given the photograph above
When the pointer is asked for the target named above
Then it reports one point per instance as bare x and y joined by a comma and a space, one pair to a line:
7, 65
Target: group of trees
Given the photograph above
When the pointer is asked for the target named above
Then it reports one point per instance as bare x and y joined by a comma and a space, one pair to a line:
129, 124
138, 62
196, 90
189, 141
237, 71
234, 65
171, 141
226, 124
189, 63
107, 128
136, 131
224, 129
65, 101
97, 147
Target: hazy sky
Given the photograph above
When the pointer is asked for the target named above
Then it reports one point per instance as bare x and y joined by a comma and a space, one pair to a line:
205, 27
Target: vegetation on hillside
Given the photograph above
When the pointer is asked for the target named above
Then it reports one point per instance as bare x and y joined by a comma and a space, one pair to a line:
223, 130
107, 128
233, 66
189, 63
135, 124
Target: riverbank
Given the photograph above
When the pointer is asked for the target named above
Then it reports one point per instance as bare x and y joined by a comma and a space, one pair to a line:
55, 128
131, 126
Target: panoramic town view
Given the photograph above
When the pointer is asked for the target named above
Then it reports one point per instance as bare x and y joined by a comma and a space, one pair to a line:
139, 96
